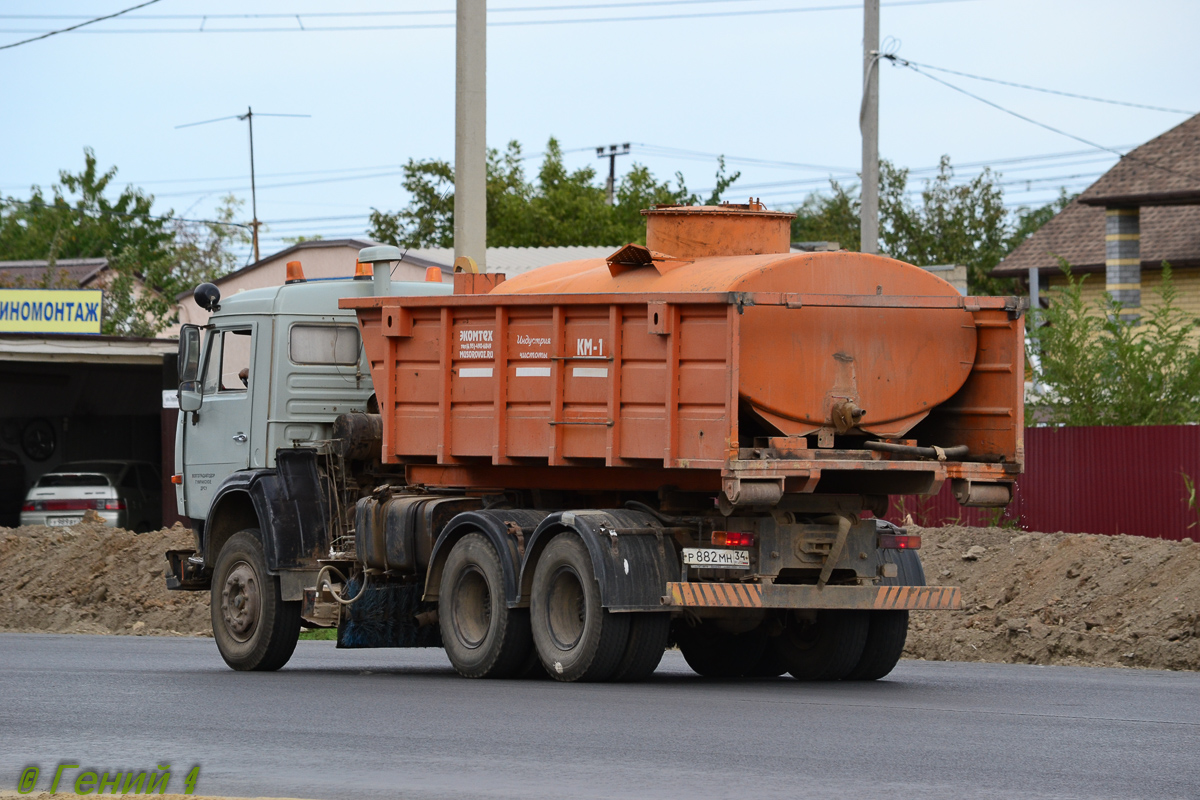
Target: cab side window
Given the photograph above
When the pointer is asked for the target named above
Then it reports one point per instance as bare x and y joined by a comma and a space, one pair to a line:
228, 365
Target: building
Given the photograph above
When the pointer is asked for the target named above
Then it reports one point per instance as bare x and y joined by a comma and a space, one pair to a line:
1142, 212
320, 258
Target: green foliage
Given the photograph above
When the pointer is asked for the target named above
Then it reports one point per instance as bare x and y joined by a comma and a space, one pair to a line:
560, 207
203, 251
1093, 368
79, 221
954, 223
151, 258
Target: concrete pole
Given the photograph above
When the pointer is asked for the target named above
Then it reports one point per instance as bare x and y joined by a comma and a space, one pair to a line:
470, 133
868, 123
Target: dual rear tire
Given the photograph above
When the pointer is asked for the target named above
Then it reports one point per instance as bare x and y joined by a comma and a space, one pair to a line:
565, 632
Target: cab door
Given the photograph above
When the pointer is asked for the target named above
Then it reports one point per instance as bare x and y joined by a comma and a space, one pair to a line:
217, 436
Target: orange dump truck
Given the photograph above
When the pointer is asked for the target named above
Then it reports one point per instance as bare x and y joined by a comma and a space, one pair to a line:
679, 444
688, 442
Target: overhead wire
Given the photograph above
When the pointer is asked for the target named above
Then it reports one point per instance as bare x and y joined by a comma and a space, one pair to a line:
514, 23
1051, 91
901, 62
48, 34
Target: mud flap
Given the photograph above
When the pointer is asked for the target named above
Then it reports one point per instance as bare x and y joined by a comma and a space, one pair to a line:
633, 555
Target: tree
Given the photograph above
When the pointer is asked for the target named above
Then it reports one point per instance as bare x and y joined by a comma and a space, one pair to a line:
204, 250
954, 223
136, 243
1093, 368
561, 207
151, 258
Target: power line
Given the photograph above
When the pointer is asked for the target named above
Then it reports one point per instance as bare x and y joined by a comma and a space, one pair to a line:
431, 12
167, 218
77, 27
1051, 91
896, 60
301, 28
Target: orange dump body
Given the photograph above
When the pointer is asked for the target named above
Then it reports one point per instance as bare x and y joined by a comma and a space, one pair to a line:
666, 365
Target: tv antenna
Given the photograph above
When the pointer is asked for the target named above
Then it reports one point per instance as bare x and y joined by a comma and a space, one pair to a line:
249, 117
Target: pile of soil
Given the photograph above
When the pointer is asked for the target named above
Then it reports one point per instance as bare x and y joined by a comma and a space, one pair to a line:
1061, 598
92, 579
1036, 598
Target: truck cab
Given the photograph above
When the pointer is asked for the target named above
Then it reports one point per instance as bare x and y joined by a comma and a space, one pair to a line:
260, 388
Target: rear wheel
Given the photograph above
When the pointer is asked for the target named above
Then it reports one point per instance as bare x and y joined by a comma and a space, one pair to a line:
714, 653
888, 630
576, 638
825, 647
483, 637
254, 628
770, 664
647, 642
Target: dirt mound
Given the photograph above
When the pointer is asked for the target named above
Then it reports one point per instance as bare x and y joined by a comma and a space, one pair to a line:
1057, 598
1038, 598
91, 579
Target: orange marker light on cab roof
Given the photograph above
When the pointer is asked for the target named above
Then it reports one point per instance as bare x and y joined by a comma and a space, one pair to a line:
362, 271
295, 272
433, 274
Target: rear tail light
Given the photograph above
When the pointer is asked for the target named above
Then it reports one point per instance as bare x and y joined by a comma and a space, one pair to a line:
897, 541
112, 505
30, 506
733, 538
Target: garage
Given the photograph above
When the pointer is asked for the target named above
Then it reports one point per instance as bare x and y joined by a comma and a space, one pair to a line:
83, 397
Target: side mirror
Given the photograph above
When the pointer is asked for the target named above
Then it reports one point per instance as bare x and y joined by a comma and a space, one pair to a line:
207, 297
189, 398
188, 365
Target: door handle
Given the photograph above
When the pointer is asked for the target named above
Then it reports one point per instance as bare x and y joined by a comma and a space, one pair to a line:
239, 437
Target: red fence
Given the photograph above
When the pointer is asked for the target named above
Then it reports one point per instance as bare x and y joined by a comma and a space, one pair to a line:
1089, 480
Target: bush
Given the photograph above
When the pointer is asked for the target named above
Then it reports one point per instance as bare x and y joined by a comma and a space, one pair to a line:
1090, 367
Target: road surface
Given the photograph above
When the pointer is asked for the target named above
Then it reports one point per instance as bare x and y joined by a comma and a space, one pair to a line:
400, 724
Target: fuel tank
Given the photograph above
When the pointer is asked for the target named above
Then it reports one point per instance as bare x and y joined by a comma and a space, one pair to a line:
878, 345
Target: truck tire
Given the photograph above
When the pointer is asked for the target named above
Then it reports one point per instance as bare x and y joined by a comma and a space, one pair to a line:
888, 630
647, 642
714, 653
770, 664
825, 649
483, 637
254, 628
576, 638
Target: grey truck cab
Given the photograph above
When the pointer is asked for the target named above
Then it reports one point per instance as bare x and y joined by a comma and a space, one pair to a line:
261, 386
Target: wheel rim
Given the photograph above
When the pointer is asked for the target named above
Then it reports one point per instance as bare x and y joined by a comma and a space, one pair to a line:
566, 608
240, 601
472, 608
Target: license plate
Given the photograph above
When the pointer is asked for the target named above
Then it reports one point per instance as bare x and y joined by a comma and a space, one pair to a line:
62, 522
715, 558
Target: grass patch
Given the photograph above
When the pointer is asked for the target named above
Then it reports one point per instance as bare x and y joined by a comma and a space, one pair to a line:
319, 635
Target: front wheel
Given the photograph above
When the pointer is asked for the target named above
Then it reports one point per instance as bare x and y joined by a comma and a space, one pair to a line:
254, 628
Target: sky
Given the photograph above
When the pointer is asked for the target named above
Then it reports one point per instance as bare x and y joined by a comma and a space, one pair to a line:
774, 85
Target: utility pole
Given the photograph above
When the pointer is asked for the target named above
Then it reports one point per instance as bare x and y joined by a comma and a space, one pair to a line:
254, 223
868, 123
610, 187
249, 118
470, 133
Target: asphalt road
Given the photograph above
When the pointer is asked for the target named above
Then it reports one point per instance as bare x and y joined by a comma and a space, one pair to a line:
400, 723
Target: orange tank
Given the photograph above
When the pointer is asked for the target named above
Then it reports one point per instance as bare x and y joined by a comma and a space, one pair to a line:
713, 357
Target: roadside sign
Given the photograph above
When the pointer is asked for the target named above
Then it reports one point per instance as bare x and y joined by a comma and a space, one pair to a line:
50, 310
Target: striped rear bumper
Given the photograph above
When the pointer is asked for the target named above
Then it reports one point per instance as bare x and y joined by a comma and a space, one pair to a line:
870, 598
